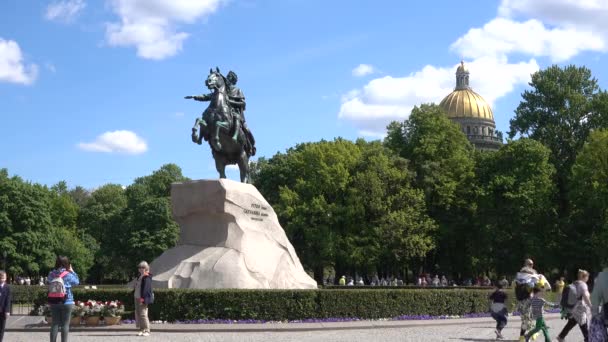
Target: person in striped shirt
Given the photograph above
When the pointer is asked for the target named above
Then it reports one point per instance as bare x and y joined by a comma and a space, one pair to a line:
537, 305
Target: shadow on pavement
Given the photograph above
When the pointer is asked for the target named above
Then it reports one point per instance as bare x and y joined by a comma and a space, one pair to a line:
105, 335
482, 339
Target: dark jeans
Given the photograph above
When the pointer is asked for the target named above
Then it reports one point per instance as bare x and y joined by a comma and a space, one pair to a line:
61, 315
501, 320
571, 323
2, 324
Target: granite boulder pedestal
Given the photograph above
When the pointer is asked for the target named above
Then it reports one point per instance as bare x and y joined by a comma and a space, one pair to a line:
230, 238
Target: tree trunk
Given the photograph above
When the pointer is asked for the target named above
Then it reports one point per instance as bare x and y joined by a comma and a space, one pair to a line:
318, 275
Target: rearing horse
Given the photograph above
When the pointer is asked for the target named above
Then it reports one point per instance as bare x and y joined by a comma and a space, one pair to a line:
216, 126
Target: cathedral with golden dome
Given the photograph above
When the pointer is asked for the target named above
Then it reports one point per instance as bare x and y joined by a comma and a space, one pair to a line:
472, 113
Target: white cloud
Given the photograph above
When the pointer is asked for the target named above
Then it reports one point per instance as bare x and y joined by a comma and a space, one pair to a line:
123, 141
12, 67
503, 36
389, 98
363, 69
150, 25
567, 13
65, 10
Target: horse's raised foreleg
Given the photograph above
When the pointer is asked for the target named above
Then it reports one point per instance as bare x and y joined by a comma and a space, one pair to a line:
216, 140
201, 126
195, 136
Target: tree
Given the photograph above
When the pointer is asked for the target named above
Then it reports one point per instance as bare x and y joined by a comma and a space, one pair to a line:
350, 206
80, 249
589, 196
102, 218
560, 110
443, 161
439, 153
148, 227
64, 210
312, 181
80, 195
37, 224
158, 184
516, 211
390, 218
25, 225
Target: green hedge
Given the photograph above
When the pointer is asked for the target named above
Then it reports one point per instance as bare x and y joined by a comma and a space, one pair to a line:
411, 287
181, 304
24, 294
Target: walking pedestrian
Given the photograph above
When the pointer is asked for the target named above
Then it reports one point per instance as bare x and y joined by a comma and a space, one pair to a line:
61, 299
143, 296
523, 296
537, 304
580, 313
499, 310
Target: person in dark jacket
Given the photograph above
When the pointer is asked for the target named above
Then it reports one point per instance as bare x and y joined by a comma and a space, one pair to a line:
143, 297
5, 303
499, 310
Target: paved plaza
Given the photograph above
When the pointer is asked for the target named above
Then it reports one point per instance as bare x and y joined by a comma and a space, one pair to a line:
478, 329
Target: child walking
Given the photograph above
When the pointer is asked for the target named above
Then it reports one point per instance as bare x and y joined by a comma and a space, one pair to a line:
499, 309
537, 304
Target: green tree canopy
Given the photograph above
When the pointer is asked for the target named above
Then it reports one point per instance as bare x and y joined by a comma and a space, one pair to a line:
443, 162
343, 203
102, 218
388, 214
148, 228
307, 188
25, 223
560, 110
516, 209
589, 196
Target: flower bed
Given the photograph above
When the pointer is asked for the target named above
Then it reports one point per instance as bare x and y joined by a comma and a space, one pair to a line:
112, 312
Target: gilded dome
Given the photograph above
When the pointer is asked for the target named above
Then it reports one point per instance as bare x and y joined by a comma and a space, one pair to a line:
465, 103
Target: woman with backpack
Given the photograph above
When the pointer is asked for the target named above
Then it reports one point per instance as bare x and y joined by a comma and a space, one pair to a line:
143, 297
579, 313
60, 297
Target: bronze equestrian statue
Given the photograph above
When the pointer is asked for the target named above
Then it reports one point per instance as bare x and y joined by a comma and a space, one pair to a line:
223, 124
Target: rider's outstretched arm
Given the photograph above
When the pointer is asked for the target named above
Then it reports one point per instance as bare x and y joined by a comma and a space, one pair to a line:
204, 97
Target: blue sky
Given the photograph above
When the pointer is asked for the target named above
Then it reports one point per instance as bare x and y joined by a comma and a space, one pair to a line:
91, 92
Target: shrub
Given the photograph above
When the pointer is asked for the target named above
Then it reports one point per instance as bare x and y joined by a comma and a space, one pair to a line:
24, 294
189, 304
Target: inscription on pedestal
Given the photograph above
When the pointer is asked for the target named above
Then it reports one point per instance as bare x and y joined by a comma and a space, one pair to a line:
258, 212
